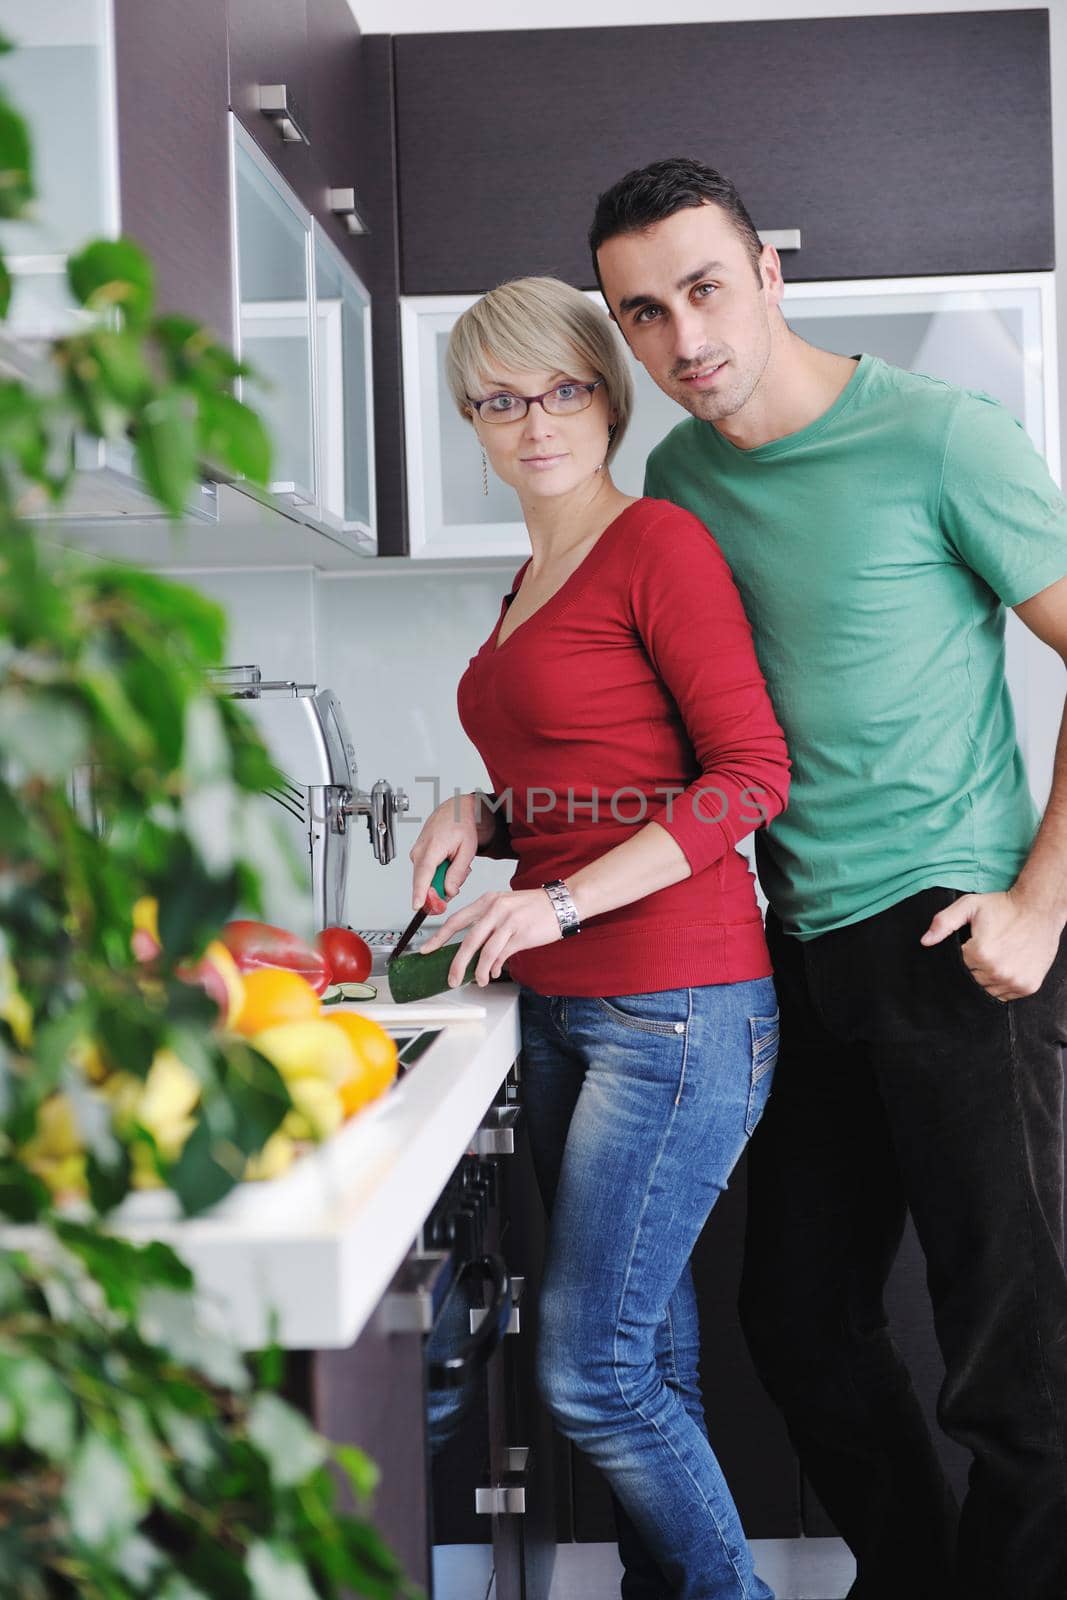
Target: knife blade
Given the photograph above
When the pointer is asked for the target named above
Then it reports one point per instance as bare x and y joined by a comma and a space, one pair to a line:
419, 918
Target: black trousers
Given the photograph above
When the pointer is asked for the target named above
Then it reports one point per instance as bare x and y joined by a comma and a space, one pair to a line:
901, 1085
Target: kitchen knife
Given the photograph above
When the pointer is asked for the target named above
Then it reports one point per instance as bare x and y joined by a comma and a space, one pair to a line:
419, 918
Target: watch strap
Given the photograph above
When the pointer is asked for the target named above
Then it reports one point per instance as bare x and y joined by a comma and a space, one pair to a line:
564, 907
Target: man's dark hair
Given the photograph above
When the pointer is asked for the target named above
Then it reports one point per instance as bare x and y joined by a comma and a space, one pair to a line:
650, 194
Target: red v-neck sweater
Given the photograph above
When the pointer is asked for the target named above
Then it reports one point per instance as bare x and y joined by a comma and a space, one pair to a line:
638, 675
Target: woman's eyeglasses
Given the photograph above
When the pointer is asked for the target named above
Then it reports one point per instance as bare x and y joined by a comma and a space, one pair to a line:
562, 401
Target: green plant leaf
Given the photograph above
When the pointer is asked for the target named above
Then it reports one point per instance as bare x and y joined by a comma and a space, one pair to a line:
206, 1170
170, 1321
5, 289
123, 369
165, 445
358, 1468
277, 1573
16, 163
196, 902
45, 1409
23, 1197
23, 434
233, 435
101, 1495
189, 1437
23, 715
193, 354
177, 1588
113, 273
123, 1270
195, 625
137, 1560
256, 1091
109, 1178
285, 1440
270, 1361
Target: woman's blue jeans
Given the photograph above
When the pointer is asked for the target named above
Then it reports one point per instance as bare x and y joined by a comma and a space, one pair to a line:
639, 1107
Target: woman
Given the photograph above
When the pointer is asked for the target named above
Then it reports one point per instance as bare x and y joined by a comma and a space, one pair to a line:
620, 711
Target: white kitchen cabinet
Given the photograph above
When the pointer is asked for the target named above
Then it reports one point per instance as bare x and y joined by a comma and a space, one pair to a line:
303, 324
272, 263
60, 77
991, 333
344, 395
67, 77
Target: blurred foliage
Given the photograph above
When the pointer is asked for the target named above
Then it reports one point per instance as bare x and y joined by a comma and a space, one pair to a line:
143, 1463
138, 1455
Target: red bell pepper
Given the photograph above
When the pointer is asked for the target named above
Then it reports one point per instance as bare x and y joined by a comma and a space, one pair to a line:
258, 944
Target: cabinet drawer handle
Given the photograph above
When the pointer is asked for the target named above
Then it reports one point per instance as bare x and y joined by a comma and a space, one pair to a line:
496, 1136
781, 238
507, 1498
277, 103
479, 1314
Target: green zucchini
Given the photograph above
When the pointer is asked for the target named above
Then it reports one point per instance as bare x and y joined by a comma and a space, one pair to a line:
414, 976
337, 992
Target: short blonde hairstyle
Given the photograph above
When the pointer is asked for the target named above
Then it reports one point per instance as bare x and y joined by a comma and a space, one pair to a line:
536, 323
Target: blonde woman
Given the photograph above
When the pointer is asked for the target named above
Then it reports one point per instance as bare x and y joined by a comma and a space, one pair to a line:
622, 716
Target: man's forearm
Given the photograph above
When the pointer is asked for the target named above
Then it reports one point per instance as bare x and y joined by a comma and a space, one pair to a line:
1042, 883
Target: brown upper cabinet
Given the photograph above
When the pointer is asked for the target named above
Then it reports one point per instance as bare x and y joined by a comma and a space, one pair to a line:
897, 146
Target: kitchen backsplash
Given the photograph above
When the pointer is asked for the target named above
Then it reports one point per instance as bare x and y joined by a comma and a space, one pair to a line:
393, 647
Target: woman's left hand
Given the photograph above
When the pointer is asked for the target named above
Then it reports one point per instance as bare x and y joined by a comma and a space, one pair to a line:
498, 925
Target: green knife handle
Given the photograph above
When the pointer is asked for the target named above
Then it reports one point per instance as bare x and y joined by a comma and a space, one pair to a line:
438, 881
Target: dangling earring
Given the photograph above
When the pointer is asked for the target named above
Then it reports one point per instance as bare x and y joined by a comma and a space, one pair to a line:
611, 434
485, 475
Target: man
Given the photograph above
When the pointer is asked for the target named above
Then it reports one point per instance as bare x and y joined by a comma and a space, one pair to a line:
877, 524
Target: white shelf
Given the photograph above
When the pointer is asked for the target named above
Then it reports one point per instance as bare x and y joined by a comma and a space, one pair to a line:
318, 1248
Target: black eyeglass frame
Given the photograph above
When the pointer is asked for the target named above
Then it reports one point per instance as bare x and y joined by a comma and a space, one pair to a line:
534, 399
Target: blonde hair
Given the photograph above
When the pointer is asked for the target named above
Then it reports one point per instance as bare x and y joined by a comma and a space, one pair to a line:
536, 323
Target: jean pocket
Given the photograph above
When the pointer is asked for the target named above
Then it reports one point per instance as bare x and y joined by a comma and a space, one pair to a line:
764, 1035
664, 1011
958, 939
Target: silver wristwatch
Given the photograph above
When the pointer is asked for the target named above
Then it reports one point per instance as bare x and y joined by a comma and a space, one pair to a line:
564, 907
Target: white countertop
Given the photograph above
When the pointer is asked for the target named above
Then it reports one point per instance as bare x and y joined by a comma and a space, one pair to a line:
320, 1252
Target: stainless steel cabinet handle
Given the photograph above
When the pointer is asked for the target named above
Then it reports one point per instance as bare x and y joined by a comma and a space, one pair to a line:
518, 1285
508, 1498
278, 104
496, 1136
781, 238
342, 202
411, 1301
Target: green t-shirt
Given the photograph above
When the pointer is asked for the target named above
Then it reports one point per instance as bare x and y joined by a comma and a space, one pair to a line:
875, 551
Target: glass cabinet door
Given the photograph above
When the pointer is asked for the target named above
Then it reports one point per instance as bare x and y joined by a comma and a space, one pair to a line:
274, 310
60, 77
992, 334
448, 512
343, 392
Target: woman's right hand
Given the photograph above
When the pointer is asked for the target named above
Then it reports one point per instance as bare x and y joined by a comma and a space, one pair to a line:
449, 834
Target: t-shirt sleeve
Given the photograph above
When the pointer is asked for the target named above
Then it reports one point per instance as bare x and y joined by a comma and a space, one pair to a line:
654, 489
1000, 510
689, 614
